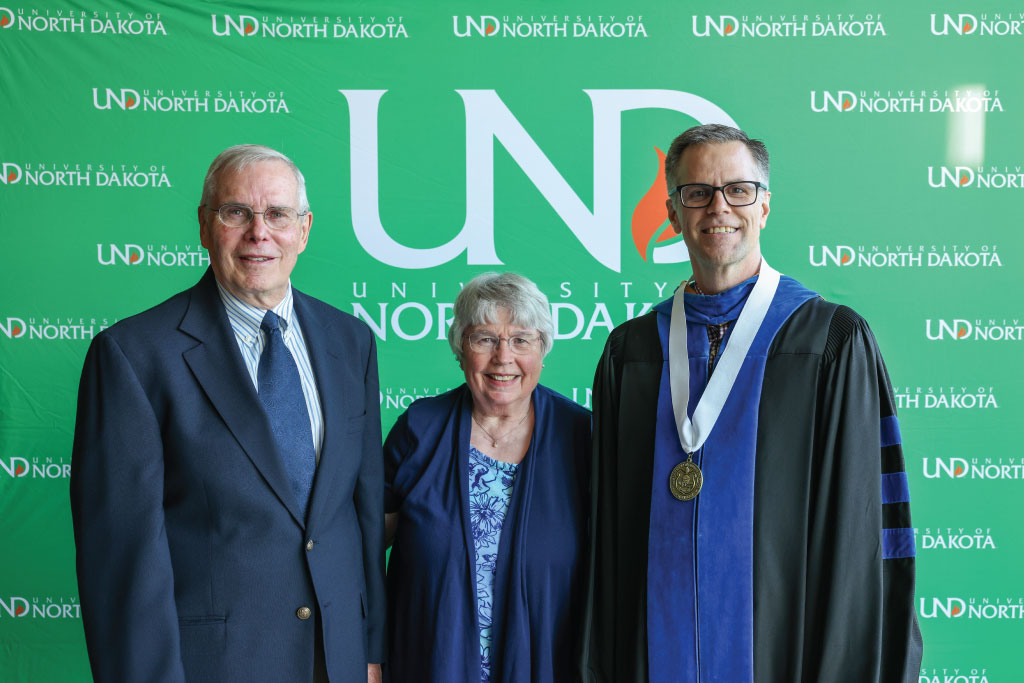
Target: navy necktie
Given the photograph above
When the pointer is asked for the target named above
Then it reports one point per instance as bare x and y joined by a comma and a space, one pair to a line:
280, 392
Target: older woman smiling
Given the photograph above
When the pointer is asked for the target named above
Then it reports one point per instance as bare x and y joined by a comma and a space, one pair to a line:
485, 496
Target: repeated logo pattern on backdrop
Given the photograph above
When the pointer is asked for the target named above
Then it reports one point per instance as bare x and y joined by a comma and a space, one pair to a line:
190, 100
439, 142
994, 24
789, 25
33, 19
287, 25
549, 26
907, 101
77, 174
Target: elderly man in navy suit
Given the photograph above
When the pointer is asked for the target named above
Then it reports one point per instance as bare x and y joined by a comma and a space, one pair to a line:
226, 484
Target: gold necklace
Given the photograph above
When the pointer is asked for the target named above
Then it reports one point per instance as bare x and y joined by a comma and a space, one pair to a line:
495, 440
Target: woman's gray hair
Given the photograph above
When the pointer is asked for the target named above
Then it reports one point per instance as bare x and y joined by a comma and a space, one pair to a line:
480, 302
240, 157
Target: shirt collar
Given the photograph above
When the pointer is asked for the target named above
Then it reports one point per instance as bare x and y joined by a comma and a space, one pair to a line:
246, 319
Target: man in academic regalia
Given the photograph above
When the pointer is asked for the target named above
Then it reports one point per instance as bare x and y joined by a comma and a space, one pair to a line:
751, 516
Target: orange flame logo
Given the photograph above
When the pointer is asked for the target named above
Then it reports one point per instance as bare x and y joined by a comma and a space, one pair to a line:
964, 180
17, 330
959, 471
649, 214
19, 610
845, 258
134, 258
967, 26
729, 28
956, 610
131, 101
12, 176
20, 469
249, 27
961, 333
490, 28
5, 20
847, 103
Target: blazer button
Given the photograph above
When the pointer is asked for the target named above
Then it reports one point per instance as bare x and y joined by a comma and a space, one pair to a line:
303, 613
309, 544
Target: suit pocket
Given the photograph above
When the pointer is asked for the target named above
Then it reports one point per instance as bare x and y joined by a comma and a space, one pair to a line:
203, 645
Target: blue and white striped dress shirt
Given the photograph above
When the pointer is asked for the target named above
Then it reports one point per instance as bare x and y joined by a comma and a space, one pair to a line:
245, 322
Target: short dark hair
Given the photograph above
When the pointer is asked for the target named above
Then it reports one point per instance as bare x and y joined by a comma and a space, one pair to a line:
713, 134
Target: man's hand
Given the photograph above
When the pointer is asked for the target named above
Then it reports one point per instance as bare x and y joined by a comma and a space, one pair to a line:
373, 674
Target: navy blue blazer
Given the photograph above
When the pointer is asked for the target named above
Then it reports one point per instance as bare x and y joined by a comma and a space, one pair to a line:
193, 563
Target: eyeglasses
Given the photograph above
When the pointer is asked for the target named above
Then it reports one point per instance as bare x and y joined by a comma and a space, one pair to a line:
699, 195
240, 215
486, 342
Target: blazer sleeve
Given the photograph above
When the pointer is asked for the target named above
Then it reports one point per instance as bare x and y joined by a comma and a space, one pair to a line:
369, 502
125, 579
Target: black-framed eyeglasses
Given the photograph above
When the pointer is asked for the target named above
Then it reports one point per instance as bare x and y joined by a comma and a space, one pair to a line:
487, 342
240, 215
699, 195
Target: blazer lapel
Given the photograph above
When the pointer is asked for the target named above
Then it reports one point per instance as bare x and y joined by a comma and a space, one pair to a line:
325, 358
217, 365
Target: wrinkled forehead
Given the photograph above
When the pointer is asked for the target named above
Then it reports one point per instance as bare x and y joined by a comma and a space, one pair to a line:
270, 178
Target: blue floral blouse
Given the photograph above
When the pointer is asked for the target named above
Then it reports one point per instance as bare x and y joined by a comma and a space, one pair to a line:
490, 490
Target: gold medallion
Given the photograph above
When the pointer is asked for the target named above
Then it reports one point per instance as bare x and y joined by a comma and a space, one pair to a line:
685, 480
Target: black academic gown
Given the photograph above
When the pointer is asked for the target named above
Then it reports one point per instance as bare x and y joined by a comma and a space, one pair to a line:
827, 606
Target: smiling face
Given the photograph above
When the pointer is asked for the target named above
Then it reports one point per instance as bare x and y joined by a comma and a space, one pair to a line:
254, 262
723, 240
501, 381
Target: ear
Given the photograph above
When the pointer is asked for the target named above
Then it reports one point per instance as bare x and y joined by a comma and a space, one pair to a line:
204, 233
765, 208
673, 217
307, 223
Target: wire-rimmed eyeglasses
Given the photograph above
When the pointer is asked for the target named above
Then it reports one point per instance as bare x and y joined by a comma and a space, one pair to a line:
486, 342
240, 215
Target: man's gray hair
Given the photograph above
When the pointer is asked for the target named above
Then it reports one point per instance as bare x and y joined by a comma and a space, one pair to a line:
481, 300
239, 157
713, 134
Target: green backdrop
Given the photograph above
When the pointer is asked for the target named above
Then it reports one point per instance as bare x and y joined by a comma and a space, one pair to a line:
443, 141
